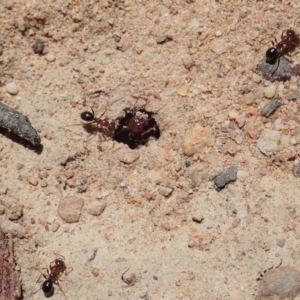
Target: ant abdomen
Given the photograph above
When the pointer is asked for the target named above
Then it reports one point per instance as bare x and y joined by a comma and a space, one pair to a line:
47, 288
271, 55
87, 116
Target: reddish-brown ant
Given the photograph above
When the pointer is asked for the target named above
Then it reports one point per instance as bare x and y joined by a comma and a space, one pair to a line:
289, 40
136, 127
54, 272
104, 126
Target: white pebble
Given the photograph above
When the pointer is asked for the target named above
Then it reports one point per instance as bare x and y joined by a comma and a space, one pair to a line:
50, 57
194, 24
122, 184
12, 88
241, 174
269, 91
218, 33
277, 122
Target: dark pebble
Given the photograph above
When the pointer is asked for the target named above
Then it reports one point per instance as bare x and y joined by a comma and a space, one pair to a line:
296, 169
38, 47
294, 95
271, 106
225, 177
18, 124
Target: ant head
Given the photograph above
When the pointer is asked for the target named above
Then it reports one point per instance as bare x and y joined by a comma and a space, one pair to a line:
87, 116
47, 286
59, 263
137, 124
271, 55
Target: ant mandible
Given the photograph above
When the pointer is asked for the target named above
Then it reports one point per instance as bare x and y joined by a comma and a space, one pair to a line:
103, 125
54, 272
289, 39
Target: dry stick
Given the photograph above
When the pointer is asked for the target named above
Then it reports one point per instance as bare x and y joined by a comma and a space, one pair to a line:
18, 124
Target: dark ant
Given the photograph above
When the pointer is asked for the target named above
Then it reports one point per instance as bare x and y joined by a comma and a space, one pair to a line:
289, 40
136, 127
103, 125
54, 272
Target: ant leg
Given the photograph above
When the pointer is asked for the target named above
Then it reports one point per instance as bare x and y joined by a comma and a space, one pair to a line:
32, 292
296, 20
57, 283
59, 256
272, 73
68, 270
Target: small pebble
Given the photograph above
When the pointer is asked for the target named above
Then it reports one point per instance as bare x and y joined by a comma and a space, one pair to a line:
95, 272
225, 177
54, 226
236, 222
69, 173
198, 219
32, 180
218, 46
241, 174
8, 4
232, 114
294, 95
50, 57
128, 156
3, 189
38, 47
182, 90
44, 183
96, 210
165, 191
280, 242
269, 91
69, 208
198, 139
271, 106
162, 38
296, 168
188, 62
256, 78
139, 48
12, 88
111, 21
268, 142
249, 98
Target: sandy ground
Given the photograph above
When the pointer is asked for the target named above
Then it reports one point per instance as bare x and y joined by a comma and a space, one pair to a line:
195, 63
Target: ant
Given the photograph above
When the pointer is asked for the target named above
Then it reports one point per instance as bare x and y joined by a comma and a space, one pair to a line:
103, 125
289, 40
136, 127
54, 272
